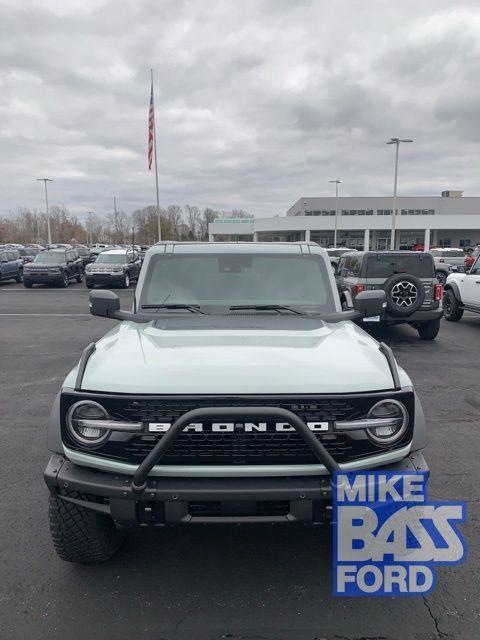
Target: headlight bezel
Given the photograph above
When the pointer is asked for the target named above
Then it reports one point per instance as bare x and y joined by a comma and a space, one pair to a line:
394, 438
75, 435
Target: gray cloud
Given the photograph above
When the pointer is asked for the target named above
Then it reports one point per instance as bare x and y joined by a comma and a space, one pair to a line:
258, 102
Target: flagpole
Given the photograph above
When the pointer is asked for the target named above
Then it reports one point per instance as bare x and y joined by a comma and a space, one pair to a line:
156, 167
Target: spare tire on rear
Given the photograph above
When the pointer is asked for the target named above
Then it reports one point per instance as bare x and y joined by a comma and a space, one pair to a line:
405, 294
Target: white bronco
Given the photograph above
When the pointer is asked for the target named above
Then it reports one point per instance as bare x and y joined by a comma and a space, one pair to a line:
462, 293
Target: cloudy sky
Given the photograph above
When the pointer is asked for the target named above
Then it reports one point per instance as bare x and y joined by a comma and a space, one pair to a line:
259, 102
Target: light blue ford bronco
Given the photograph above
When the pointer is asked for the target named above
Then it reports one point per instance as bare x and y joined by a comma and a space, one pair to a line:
231, 391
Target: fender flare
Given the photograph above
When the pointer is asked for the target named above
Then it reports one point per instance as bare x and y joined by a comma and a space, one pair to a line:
54, 432
453, 286
442, 267
420, 428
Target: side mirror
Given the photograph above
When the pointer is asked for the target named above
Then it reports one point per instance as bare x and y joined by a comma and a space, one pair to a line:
105, 304
370, 303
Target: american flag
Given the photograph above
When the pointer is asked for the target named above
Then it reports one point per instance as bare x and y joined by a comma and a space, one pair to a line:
151, 128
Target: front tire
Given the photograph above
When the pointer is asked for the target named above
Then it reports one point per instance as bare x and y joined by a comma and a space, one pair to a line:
429, 330
19, 278
79, 277
81, 535
451, 308
89, 285
64, 281
126, 281
441, 276
27, 285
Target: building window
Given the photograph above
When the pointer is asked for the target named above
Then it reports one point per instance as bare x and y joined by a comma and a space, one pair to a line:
369, 212
353, 212
361, 212
431, 212
345, 212
466, 243
404, 212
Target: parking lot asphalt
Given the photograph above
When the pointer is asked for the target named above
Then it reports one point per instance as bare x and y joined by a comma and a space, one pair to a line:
234, 582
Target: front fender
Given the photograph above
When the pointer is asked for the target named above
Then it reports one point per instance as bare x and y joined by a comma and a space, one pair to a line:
451, 285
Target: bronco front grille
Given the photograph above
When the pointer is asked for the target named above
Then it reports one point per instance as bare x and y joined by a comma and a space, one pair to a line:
236, 448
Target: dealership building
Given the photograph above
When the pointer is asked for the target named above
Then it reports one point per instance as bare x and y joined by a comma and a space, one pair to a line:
448, 220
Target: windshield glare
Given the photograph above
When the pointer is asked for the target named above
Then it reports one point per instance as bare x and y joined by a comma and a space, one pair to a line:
111, 258
239, 279
50, 257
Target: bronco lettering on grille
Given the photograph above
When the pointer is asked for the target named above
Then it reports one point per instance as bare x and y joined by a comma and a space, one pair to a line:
235, 427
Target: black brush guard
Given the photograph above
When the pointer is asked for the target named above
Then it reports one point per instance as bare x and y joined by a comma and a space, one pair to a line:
139, 483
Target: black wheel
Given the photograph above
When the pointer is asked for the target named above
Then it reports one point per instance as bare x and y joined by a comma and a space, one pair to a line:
126, 281
405, 294
89, 285
27, 285
452, 311
441, 276
82, 535
64, 281
79, 277
429, 330
19, 278
344, 305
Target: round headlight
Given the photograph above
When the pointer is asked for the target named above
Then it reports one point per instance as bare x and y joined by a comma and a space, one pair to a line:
394, 417
81, 419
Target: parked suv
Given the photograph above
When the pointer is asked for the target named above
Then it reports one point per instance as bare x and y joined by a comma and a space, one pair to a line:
413, 295
462, 293
11, 265
53, 266
223, 397
448, 260
114, 267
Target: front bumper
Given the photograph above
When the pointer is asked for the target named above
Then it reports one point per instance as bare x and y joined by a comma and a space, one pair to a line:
167, 500
104, 278
42, 278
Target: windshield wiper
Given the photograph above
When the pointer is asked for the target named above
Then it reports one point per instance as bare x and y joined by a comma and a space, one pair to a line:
267, 307
194, 308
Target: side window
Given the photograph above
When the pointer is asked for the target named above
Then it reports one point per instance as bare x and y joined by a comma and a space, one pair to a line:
340, 265
10, 255
475, 270
347, 268
3, 256
355, 266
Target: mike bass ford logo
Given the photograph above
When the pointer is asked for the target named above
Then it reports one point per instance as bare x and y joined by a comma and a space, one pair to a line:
388, 538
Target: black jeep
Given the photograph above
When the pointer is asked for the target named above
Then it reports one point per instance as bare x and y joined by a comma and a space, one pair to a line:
413, 294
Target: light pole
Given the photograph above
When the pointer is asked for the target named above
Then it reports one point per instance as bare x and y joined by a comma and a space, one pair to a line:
49, 233
396, 142
337, 182
90, 229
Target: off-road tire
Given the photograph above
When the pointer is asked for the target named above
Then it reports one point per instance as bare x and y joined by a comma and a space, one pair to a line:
64, 282
126, 281
79, 277
27, 285
81, 535
451, 308
429, 330
19, 278
89, 285
397, 279
441, 276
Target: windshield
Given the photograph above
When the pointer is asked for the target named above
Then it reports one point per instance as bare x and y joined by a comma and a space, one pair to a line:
50, 257
239, 279
111, 258
449, 254
384, 266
